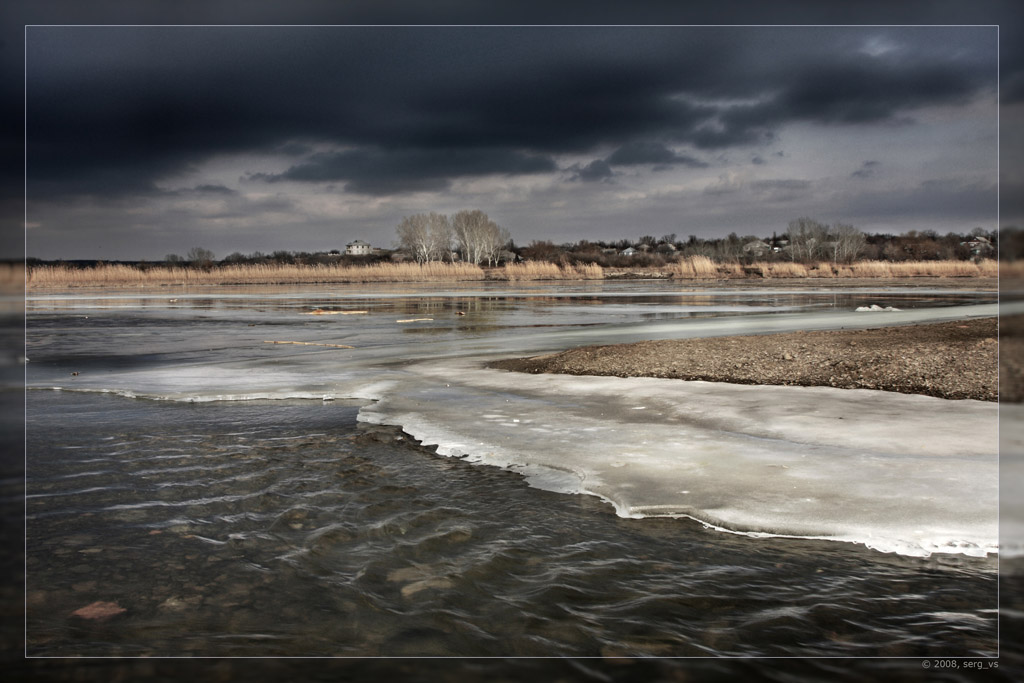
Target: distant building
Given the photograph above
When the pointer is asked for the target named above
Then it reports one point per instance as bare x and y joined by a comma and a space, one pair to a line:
628, 251
978, 245
358, 248
756, 248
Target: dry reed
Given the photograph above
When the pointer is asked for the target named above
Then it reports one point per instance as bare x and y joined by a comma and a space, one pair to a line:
879, 269
986, 268
694, 267
115, 274
731, 270
542, 270
781, 269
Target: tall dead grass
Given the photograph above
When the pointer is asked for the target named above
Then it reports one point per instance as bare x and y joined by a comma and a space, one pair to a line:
781, 269
693, 267
543, 270
878, 269
985, 268
122, 275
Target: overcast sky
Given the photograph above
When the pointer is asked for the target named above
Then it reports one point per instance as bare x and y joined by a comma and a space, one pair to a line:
143, 141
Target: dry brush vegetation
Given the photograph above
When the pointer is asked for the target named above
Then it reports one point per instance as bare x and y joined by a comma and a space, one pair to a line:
878, 269
123, 275
689, 268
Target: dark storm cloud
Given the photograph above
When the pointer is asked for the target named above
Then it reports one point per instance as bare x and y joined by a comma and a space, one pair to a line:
387, 171
596, 170
293, 149
867, 90
637, 153
214, 189
113, 110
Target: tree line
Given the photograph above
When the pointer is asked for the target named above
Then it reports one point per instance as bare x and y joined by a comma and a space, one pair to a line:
804, 241
472, 236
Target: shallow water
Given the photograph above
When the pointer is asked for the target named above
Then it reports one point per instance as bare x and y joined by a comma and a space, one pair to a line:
160, 478
283, 528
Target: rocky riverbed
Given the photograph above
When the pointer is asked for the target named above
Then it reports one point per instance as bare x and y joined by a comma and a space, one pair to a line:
955, 360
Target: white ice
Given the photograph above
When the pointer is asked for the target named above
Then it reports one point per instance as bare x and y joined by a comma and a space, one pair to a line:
898, 473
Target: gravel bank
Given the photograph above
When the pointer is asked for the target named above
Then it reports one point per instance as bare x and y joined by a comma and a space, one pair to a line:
954, 360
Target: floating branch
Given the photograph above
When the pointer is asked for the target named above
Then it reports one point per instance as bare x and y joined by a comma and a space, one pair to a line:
320, 311
414, 320
333, 346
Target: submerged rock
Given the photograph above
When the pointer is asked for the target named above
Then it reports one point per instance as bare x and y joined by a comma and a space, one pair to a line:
417, 586
99, 611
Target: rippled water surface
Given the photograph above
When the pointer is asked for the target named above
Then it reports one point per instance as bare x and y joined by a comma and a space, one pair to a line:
225, 524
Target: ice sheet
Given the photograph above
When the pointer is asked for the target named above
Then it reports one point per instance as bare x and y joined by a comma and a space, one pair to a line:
898, 473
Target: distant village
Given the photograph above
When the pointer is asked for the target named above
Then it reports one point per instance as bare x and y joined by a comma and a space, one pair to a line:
806, 241
809, 242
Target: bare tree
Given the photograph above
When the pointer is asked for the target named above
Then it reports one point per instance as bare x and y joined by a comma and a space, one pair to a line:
478, 237
427, 236
497, 239
806, 237
198, 256
414, 236
729, 249
847, 243
441, 236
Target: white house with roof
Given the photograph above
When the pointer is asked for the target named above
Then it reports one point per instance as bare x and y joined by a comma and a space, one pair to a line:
358, 248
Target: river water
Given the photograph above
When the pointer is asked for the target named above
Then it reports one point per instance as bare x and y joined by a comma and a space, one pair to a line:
234, 497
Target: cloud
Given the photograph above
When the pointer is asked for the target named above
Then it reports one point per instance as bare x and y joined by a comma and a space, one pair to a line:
780, 184
878, 45
596, 170
944, 198
113, 110
637, 153
727, 183
781, 189
214, 189
867, 169
377, 171
857, 92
